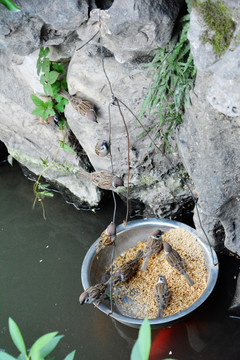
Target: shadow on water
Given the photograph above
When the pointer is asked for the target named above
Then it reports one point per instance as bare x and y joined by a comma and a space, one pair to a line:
41, 282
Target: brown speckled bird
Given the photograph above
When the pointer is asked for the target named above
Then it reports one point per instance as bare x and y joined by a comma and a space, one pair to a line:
127, 270
107, 237
84, 107
175, 260
161, 293
93, 294
102, 148
153, 246
103, 179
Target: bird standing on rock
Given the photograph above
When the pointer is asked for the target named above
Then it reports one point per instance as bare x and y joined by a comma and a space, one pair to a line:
103, 179
175, 260
127, 270
107, 237
85, 107
153, 246
102, 148
93, 293
161, 293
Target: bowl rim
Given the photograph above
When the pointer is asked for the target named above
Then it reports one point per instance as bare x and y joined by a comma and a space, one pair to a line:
166, 321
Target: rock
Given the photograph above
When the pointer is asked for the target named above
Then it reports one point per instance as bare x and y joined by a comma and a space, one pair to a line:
208, 140
39, 23
68, 27
132, 28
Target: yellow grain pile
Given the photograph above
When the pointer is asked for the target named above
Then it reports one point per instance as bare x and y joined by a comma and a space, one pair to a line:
136, 298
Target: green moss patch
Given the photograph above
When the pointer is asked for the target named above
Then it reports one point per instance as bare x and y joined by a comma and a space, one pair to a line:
220, 24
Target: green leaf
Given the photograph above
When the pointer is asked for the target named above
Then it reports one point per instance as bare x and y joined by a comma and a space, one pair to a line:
10, 5
56, 87
5, 356
40, 343
38, 102
47, 349
52, 76
39, 112
70, 356
44, 161
16, 336
60, 107
65, 146
43, 79
45, 51
44, 194
48, 89
141, 348
43, 186
46, 65
47, 112
59, 67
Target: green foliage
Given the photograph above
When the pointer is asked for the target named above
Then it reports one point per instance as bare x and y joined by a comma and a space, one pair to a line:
220, 24
41, 348
52, 78
10, 5
142, 346
173, 74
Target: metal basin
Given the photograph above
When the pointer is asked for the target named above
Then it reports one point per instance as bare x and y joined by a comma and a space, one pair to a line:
93, 267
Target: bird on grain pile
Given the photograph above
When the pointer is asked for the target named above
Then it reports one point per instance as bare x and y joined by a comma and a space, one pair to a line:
84, 107
126, 271
93, 294
107, 237
153, 246
161, 293
175, 260
103, 179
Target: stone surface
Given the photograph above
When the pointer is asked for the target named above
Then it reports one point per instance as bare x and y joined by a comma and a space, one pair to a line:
39, 24
208, 140
135, 28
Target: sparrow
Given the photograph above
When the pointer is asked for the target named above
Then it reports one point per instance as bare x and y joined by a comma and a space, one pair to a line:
107, 237
161, 293
127, 270
85, 107
103, 179
102, 148
175, 260
153, 246
93, 293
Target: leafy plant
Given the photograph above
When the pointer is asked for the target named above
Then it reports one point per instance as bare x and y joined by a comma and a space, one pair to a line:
41, 348
10, 5
173, 75
53, 78
142, 346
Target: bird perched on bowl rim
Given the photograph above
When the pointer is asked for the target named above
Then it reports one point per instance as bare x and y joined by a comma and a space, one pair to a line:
175, 260
162, 294
126, 271
93, 294
84, 107
107, 237
103, 179
102, 148
153, 246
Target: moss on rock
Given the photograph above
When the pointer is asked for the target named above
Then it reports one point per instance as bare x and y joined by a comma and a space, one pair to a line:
220, 24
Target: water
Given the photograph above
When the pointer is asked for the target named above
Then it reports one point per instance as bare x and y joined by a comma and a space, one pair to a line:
40, 285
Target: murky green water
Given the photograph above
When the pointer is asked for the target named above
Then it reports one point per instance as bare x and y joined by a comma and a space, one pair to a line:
41, 282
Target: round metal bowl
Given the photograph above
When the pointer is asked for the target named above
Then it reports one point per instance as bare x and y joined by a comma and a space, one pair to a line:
93, 267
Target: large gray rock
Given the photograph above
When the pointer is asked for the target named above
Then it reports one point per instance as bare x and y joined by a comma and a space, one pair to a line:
208, 139
40, 23
135, 28
131, 28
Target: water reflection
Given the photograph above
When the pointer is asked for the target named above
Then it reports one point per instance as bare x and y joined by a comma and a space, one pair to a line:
41, 283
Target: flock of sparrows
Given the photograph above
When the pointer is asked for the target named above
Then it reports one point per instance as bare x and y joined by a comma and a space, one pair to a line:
125, 272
